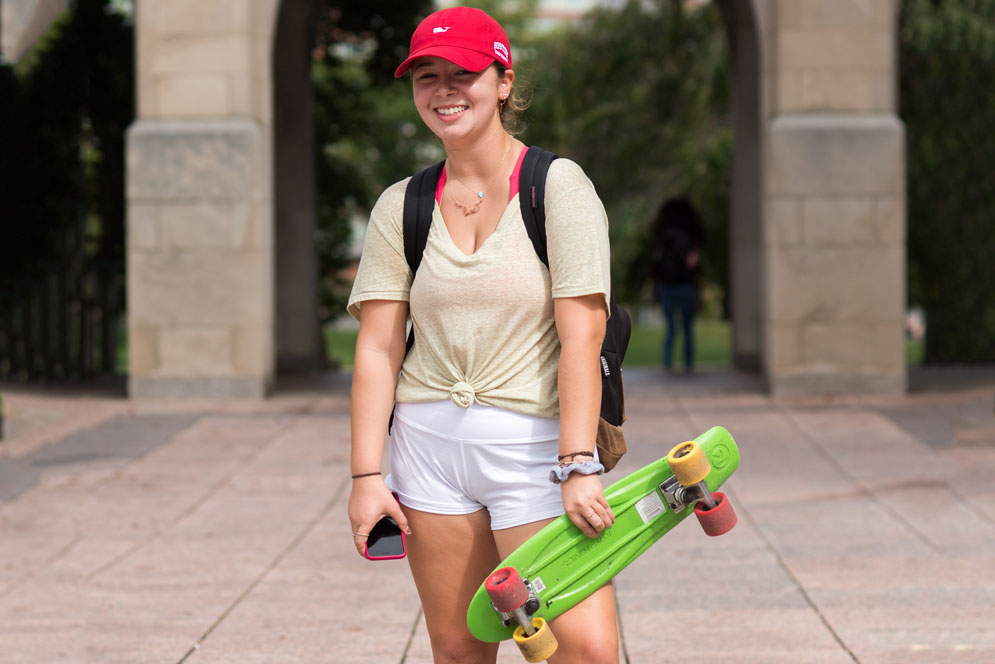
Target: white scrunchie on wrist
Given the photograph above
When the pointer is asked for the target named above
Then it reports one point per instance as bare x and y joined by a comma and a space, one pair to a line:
559, 474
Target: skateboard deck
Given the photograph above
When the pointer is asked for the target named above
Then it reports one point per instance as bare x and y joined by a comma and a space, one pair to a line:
563, 566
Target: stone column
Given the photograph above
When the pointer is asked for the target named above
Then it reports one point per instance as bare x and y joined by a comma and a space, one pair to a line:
746, 200
835, 200
298, 332
200, 204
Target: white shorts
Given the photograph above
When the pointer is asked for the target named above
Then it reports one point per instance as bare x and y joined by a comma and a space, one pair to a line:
450, 460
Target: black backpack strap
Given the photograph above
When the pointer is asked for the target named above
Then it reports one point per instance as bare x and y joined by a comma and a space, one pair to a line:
416, 220
419, 201
532, 196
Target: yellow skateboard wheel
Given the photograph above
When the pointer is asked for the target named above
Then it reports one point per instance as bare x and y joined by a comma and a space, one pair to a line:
689, 463
540, 646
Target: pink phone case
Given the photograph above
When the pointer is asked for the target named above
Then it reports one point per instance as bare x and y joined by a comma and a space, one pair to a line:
404, 543
404, 546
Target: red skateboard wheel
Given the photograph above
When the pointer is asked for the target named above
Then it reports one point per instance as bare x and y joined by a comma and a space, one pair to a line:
506, 589
720, 519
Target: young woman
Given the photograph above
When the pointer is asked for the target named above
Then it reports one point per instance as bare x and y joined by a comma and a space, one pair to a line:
502, 385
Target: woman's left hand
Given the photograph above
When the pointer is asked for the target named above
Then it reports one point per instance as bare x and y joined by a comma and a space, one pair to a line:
585, 504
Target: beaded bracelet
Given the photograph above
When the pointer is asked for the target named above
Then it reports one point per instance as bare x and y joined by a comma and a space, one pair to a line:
575, 454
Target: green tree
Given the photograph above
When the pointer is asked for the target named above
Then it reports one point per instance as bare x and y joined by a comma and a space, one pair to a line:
643, 105
640, 97
947, 54
367, 132
63, 115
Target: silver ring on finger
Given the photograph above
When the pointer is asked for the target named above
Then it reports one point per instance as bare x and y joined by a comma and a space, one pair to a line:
359, 535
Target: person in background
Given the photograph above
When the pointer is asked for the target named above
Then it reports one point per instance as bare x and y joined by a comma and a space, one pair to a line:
498, 400
678, 238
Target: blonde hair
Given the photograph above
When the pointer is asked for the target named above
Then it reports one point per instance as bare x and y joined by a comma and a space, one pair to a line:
511, 109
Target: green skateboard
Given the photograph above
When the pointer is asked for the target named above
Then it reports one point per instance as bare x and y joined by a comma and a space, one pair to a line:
559, 566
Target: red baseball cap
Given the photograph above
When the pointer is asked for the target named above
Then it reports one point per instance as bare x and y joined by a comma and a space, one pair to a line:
465, 36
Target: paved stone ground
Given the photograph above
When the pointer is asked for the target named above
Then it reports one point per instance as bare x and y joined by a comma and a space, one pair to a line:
210, 533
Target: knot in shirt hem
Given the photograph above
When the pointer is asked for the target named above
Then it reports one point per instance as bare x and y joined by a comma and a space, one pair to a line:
462, 394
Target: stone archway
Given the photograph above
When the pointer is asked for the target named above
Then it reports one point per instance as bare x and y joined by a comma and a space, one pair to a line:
297, 326
818, 204
200, 202
746, 200
818, 198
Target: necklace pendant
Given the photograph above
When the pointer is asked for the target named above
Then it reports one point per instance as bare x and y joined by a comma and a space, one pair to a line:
467, 210
480, 194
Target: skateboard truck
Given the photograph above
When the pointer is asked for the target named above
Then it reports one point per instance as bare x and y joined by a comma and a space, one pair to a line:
514, 599
679, 497
688, 487
523, 614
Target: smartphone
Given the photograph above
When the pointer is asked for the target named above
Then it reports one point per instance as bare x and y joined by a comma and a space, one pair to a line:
386, 541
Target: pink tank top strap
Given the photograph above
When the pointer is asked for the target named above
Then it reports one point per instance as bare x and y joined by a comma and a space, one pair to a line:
512, 180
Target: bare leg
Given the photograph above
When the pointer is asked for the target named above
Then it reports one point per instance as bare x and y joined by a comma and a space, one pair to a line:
450, 556
587, 633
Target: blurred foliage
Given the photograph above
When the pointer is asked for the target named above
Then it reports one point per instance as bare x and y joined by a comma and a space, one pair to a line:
947, 56
367, 132
63, 119
64, 111
640, 97
643, 108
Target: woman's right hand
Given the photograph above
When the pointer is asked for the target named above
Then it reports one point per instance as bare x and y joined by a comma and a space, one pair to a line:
370, 501
585, 504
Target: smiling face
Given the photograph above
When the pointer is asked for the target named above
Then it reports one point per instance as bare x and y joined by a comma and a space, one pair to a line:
455, 103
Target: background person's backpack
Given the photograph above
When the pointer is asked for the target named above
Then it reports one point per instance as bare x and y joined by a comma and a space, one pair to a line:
419, 202
670, 256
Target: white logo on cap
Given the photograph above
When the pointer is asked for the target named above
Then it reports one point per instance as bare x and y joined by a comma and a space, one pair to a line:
501, 51
436, 30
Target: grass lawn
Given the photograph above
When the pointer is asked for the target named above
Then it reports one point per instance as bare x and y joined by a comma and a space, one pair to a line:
713, 345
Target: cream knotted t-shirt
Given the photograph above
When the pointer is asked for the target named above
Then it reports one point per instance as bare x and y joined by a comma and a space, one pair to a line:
483, 323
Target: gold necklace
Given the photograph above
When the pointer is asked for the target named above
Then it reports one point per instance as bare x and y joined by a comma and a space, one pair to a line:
475, 208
